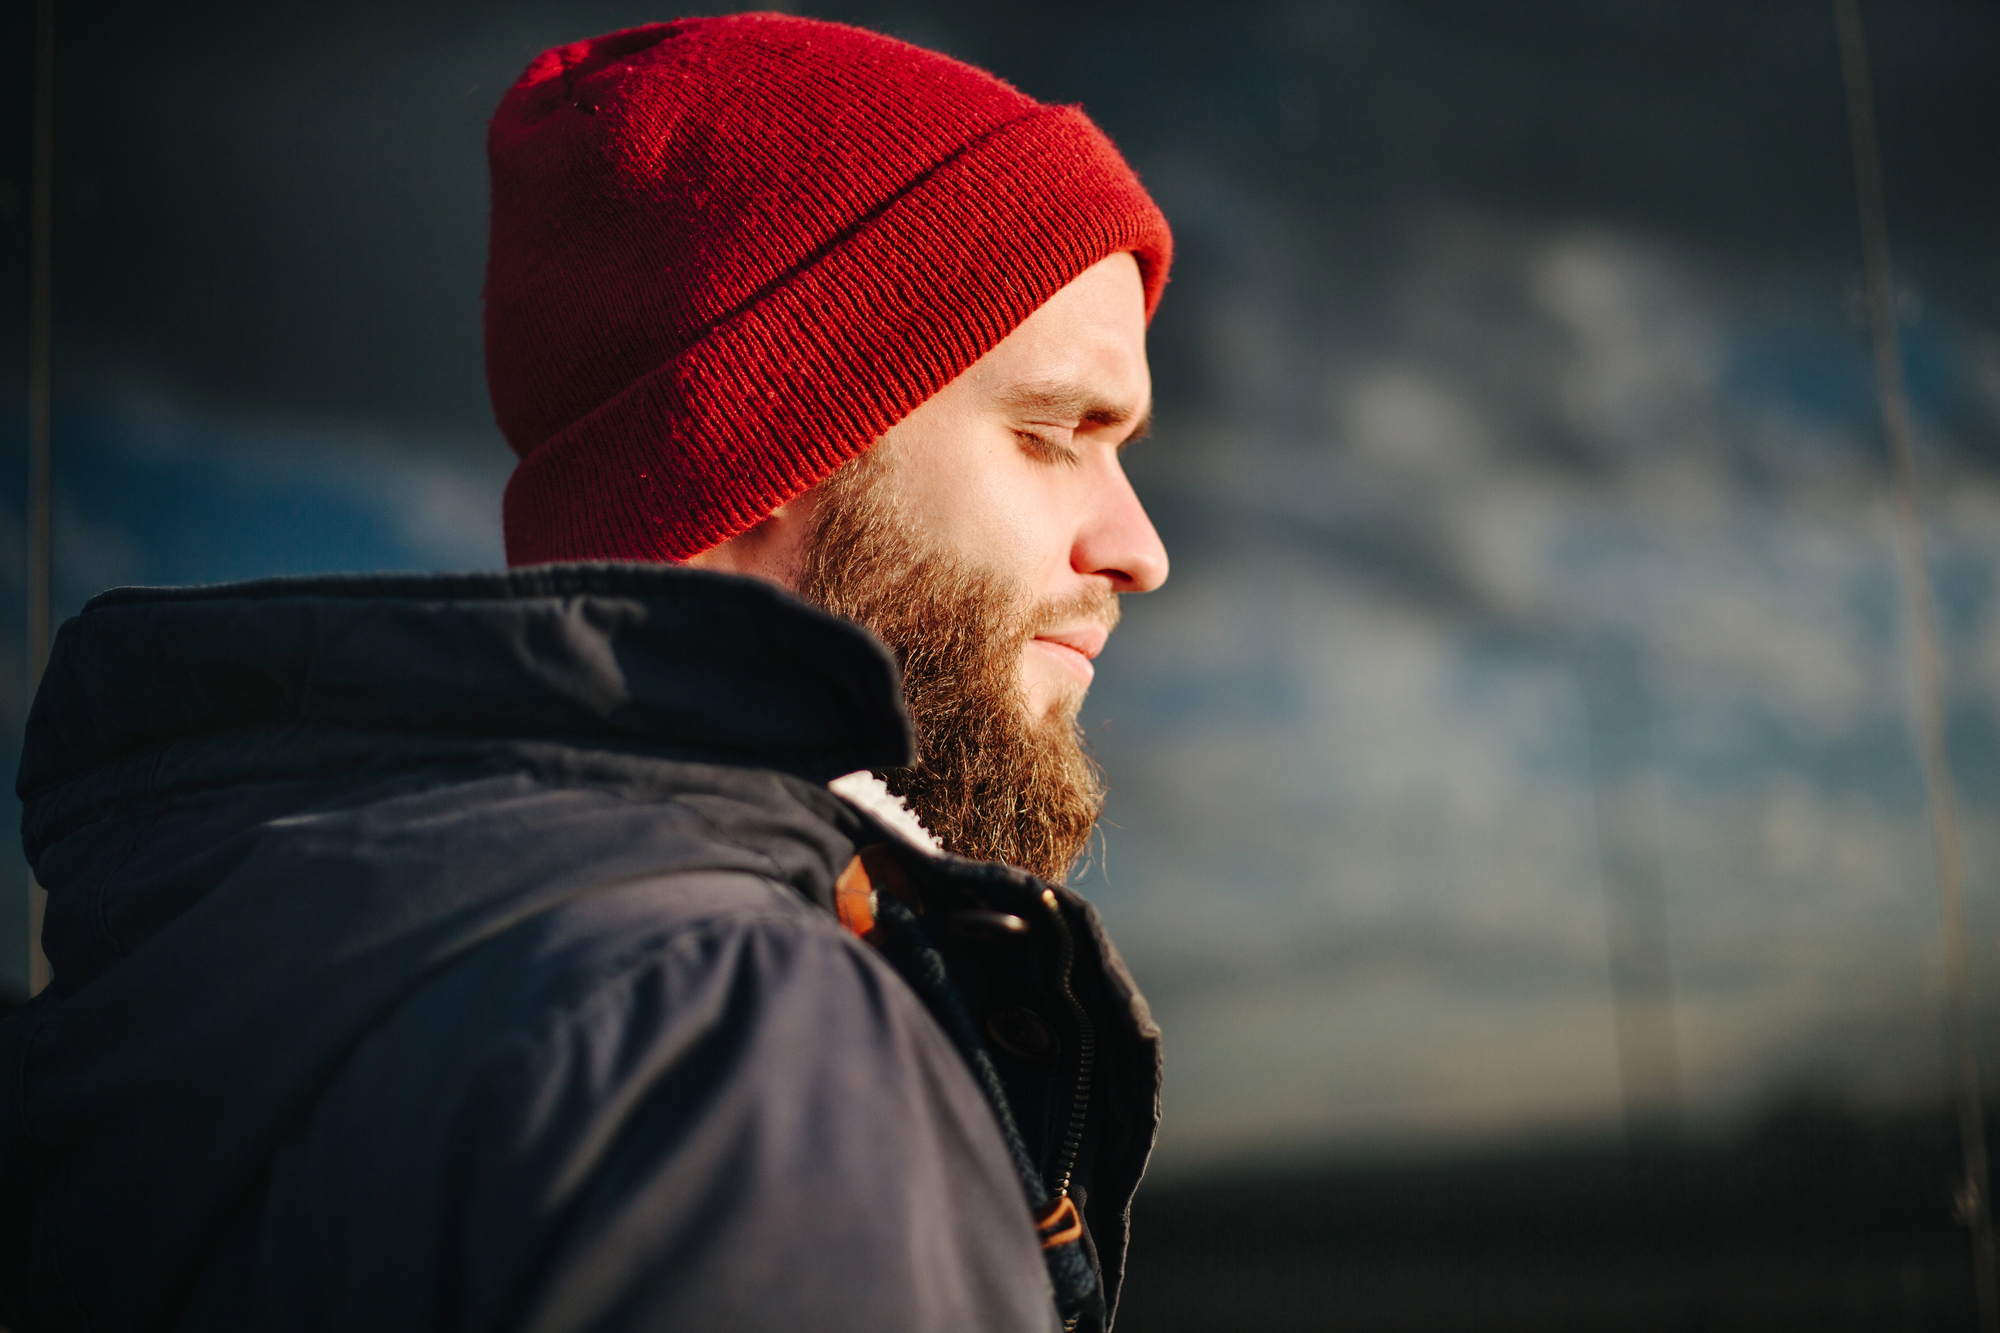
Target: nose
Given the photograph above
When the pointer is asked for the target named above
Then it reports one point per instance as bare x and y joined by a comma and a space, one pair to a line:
1116, 540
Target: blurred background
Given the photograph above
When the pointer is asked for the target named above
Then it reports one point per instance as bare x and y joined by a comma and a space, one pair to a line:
1517, 821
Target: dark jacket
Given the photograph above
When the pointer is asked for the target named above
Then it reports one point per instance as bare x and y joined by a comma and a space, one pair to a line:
457, 953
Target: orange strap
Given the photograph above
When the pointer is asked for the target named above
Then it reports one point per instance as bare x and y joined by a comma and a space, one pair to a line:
854, 898
874, 868
1059, 1223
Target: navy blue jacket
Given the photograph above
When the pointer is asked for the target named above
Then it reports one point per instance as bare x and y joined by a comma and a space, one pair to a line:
457, 953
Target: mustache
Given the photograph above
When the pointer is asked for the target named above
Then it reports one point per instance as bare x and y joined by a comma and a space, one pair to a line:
1099, 605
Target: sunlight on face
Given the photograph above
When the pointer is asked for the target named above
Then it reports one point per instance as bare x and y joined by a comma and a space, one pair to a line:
1015, 467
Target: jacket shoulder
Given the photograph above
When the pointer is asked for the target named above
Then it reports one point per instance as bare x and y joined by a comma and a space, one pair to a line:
688, 1100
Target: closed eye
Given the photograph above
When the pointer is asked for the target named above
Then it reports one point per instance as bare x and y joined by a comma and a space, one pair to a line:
1045, 449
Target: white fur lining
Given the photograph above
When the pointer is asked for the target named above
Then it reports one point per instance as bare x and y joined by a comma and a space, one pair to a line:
873, 795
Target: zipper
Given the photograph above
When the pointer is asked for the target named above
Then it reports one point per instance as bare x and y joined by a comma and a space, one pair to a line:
1086, 1049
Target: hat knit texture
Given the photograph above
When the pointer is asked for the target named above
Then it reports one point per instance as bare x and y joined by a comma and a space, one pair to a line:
728, 253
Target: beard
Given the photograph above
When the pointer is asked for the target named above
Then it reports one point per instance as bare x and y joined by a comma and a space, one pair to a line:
992, 781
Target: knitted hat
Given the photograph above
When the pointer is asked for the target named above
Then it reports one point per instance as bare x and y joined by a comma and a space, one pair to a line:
728, 253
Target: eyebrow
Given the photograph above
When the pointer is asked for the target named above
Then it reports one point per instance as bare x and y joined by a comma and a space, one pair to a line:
1078, 404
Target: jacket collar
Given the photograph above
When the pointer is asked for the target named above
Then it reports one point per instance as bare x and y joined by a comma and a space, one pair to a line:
705, 666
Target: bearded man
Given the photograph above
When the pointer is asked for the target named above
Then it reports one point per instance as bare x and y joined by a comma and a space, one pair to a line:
556, 950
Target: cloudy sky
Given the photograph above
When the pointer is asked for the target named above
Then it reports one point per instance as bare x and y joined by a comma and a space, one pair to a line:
1531, 670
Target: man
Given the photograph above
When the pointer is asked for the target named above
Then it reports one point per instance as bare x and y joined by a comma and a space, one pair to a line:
555, 950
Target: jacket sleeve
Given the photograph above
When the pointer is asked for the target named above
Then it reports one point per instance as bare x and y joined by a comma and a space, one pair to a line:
752, 1125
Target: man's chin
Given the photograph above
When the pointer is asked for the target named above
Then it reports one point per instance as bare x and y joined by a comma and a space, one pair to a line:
1049, 695
1051, 707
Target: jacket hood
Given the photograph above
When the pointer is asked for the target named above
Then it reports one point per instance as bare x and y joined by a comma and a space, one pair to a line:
672, 659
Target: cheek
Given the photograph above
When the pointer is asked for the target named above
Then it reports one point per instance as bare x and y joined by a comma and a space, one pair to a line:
984, 499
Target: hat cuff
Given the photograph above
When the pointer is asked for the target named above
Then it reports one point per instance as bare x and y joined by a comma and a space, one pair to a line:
781, 393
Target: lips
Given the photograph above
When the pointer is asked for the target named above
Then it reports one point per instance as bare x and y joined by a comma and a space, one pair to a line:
1085, 639
1071, 647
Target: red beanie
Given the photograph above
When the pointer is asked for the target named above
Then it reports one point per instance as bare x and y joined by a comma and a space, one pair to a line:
728, 253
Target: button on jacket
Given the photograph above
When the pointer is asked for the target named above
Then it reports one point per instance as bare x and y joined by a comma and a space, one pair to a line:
461, 953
